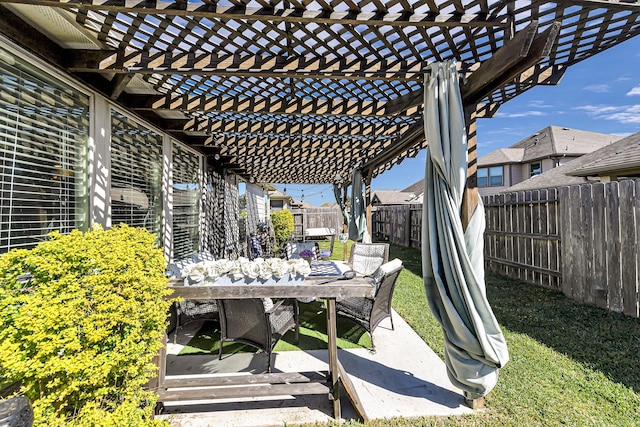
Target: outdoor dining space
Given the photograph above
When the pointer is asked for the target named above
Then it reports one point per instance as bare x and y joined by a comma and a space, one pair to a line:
400, 376
154, 115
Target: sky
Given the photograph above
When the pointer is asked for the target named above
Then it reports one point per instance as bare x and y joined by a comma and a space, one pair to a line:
599, 94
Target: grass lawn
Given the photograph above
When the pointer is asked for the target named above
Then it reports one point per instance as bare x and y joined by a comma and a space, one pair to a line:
571, 364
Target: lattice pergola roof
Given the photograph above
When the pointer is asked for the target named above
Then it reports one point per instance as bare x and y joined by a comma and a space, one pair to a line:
296, 91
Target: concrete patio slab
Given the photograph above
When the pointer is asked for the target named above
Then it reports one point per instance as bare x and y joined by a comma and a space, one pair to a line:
403, 378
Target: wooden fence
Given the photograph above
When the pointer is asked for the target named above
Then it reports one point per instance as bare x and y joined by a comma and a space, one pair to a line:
316, 218
582, 240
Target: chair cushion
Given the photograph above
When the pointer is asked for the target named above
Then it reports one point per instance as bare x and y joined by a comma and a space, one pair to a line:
383, 270
367, 258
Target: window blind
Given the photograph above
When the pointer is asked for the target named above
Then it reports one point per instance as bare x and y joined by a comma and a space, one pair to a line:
44, 128
136, 175
186, 202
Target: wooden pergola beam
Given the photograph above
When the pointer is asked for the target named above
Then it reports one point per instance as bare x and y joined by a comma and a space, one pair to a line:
207, 64
510, 54
205, 103
490, 76
119, 83
301, 152
408, 139
515, 57
298, 16
326, 129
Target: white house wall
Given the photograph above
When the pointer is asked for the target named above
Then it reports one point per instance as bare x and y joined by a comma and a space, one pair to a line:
98, 155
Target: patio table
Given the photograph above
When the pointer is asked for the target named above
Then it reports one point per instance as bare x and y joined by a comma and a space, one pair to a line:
276, 383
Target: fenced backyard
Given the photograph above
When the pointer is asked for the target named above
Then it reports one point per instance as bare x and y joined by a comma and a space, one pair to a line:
306, 218
582, 240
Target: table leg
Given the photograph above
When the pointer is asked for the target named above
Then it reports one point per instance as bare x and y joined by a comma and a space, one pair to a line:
332, 345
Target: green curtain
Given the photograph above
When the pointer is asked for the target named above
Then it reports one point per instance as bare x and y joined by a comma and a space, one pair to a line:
358, 220
337, 192
452, 259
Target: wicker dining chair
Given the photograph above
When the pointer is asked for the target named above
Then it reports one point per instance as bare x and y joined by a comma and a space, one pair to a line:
186, 311
365, 258
292, 249
368, 312
257, 322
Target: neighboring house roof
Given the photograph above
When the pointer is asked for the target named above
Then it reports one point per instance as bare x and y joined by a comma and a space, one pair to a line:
330, 205
555, 141
502, 156
390, 197
302, 205
620, 158
415, 188
552, 141
567, 174
280, 195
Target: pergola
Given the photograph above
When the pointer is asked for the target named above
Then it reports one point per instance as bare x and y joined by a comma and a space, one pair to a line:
298, 91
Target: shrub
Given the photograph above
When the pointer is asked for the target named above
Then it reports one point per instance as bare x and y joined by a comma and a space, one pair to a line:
282, 225
82, 316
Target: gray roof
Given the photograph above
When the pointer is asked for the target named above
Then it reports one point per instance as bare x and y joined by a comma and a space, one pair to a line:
552, 141
277, 194
620, 157
555, 141
567, 173
502, 156
391, 197
415, 188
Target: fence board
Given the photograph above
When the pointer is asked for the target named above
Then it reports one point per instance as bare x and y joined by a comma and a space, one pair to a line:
586, 212
537, 248
599, 247
577, 244
544, 230
565, 237
613, 246
519, 227
629, 244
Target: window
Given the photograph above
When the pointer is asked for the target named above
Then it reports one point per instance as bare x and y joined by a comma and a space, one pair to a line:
136, 175
490, 177
44, 128
535, 169
186, 202
495, 176
483, 177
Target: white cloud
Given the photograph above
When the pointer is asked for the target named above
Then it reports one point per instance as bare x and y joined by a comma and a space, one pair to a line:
532, 113
619, 113
634, 91
538, 103
598, 88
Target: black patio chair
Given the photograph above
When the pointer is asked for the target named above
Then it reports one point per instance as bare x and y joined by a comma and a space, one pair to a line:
257, 322
368, 312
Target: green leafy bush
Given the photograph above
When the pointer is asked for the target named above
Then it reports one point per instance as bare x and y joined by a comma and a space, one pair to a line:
282, 222
81, 318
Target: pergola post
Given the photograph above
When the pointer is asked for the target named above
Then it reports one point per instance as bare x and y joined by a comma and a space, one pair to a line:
345, 227
470, 199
